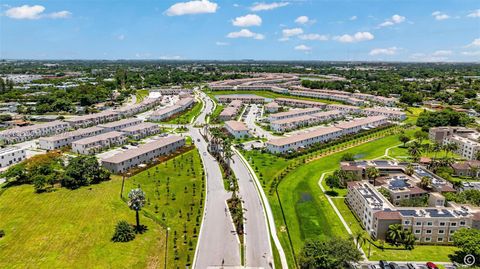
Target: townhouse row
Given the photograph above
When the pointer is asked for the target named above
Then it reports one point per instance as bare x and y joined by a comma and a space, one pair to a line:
304, 120
237, 129
323, 134
167, 112
230, 111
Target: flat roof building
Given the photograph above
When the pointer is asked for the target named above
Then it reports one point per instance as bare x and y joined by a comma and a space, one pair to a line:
11, 155
95, 144
66, 139
117, 125
93, 119
145, 153
299, 103
245, 98
20, 134
391, 114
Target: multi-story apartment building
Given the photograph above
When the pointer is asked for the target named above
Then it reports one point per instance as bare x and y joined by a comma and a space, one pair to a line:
294, 142
389, 113
293, 113
245, 98
121, 124
93, 119
145, 153
66, 139
167, 112
20, 134
141, 130
146, 104
11, 155
231, 110
237, 129
357, 125
95, 144
466, 139
344, 108
299, 103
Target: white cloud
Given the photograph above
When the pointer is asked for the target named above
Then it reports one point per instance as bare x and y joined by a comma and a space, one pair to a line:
475, 43
247, 20
474, 14
168, 57
268, 6
121, 37
245, 33
287, 33
442, 53
471, 53
385, 51
219, 43
395, 19
440, 16
353, 18
357, 37
34, 12
303, 48
317, 37
60, 15
192, 7
302, 20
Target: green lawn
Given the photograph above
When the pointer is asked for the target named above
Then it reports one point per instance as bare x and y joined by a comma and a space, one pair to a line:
187, 116
412, 114
306, 209
216, 112
268, 94
73, 228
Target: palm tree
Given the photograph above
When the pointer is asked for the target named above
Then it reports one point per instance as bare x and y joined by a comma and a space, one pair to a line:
408, 239
136, 202
415, 150
394, 233
450, 147
372, 173
425, 182
409, 170
360, 238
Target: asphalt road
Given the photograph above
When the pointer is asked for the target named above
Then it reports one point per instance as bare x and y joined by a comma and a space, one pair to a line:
254, 129
258, 252
218, 244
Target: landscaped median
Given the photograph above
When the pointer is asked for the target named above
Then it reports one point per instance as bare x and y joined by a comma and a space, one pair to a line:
301, 209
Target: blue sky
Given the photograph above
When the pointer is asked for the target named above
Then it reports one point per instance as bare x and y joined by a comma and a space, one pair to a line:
408, 30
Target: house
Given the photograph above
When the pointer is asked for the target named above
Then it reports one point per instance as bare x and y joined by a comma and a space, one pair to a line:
272, 107
121, 124
237, 129
66, 139
141, 130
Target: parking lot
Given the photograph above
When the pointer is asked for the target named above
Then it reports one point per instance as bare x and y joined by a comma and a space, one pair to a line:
401, 265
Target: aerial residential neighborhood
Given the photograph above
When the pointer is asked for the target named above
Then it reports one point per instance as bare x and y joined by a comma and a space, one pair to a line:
215, 134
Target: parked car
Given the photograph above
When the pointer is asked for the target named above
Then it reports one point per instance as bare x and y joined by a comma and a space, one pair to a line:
384, 265
411, 266
394, 265
374, 266
431, 265
124, 147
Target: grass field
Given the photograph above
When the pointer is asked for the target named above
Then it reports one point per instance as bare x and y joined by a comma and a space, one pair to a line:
306, 209
187, 116
412, 114
141, 94
72, 229
268, 94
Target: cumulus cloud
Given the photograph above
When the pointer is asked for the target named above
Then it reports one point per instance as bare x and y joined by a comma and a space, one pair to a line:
471, 53
395, 19
245, 33
303, 48
474, 14
440, 16
475, 43
287, 33
436, 56
169, 57
353, 18
192, 7
303, 20
35, 12
317, 37
268, 6
247, 20
384, 51
357, 37
219, 43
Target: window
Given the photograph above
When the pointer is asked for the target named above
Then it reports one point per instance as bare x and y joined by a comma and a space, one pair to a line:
428, 239
407, 222
429, 231
442, 223
453, 224
452, 231
429, 223
462, 223
418, 223
418, 231
440, 239
441, 231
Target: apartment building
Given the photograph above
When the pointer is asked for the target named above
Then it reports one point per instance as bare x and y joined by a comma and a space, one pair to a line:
298, 141
287, 124
389, 113
11, 155
430, 225
466, 139
237, 129
146, 104
145, 153
344, 108
299, 103
272, 107
386, 101
245, 98
121, 124
66, 139
141, 130
167, 112
95, 144
172, 91
329, 96
293, 113
357, 125
20, 134
469, 168
231, 110
93, 119
329, 115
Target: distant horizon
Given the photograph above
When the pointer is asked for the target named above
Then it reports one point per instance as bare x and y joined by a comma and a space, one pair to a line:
230, 30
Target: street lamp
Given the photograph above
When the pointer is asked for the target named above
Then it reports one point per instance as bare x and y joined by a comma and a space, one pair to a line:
166, 248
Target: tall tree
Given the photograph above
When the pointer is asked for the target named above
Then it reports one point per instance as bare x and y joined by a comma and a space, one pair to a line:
136, 202
333, 253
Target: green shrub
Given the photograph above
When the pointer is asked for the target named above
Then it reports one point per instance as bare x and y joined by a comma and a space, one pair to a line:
2, 233
124, 232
